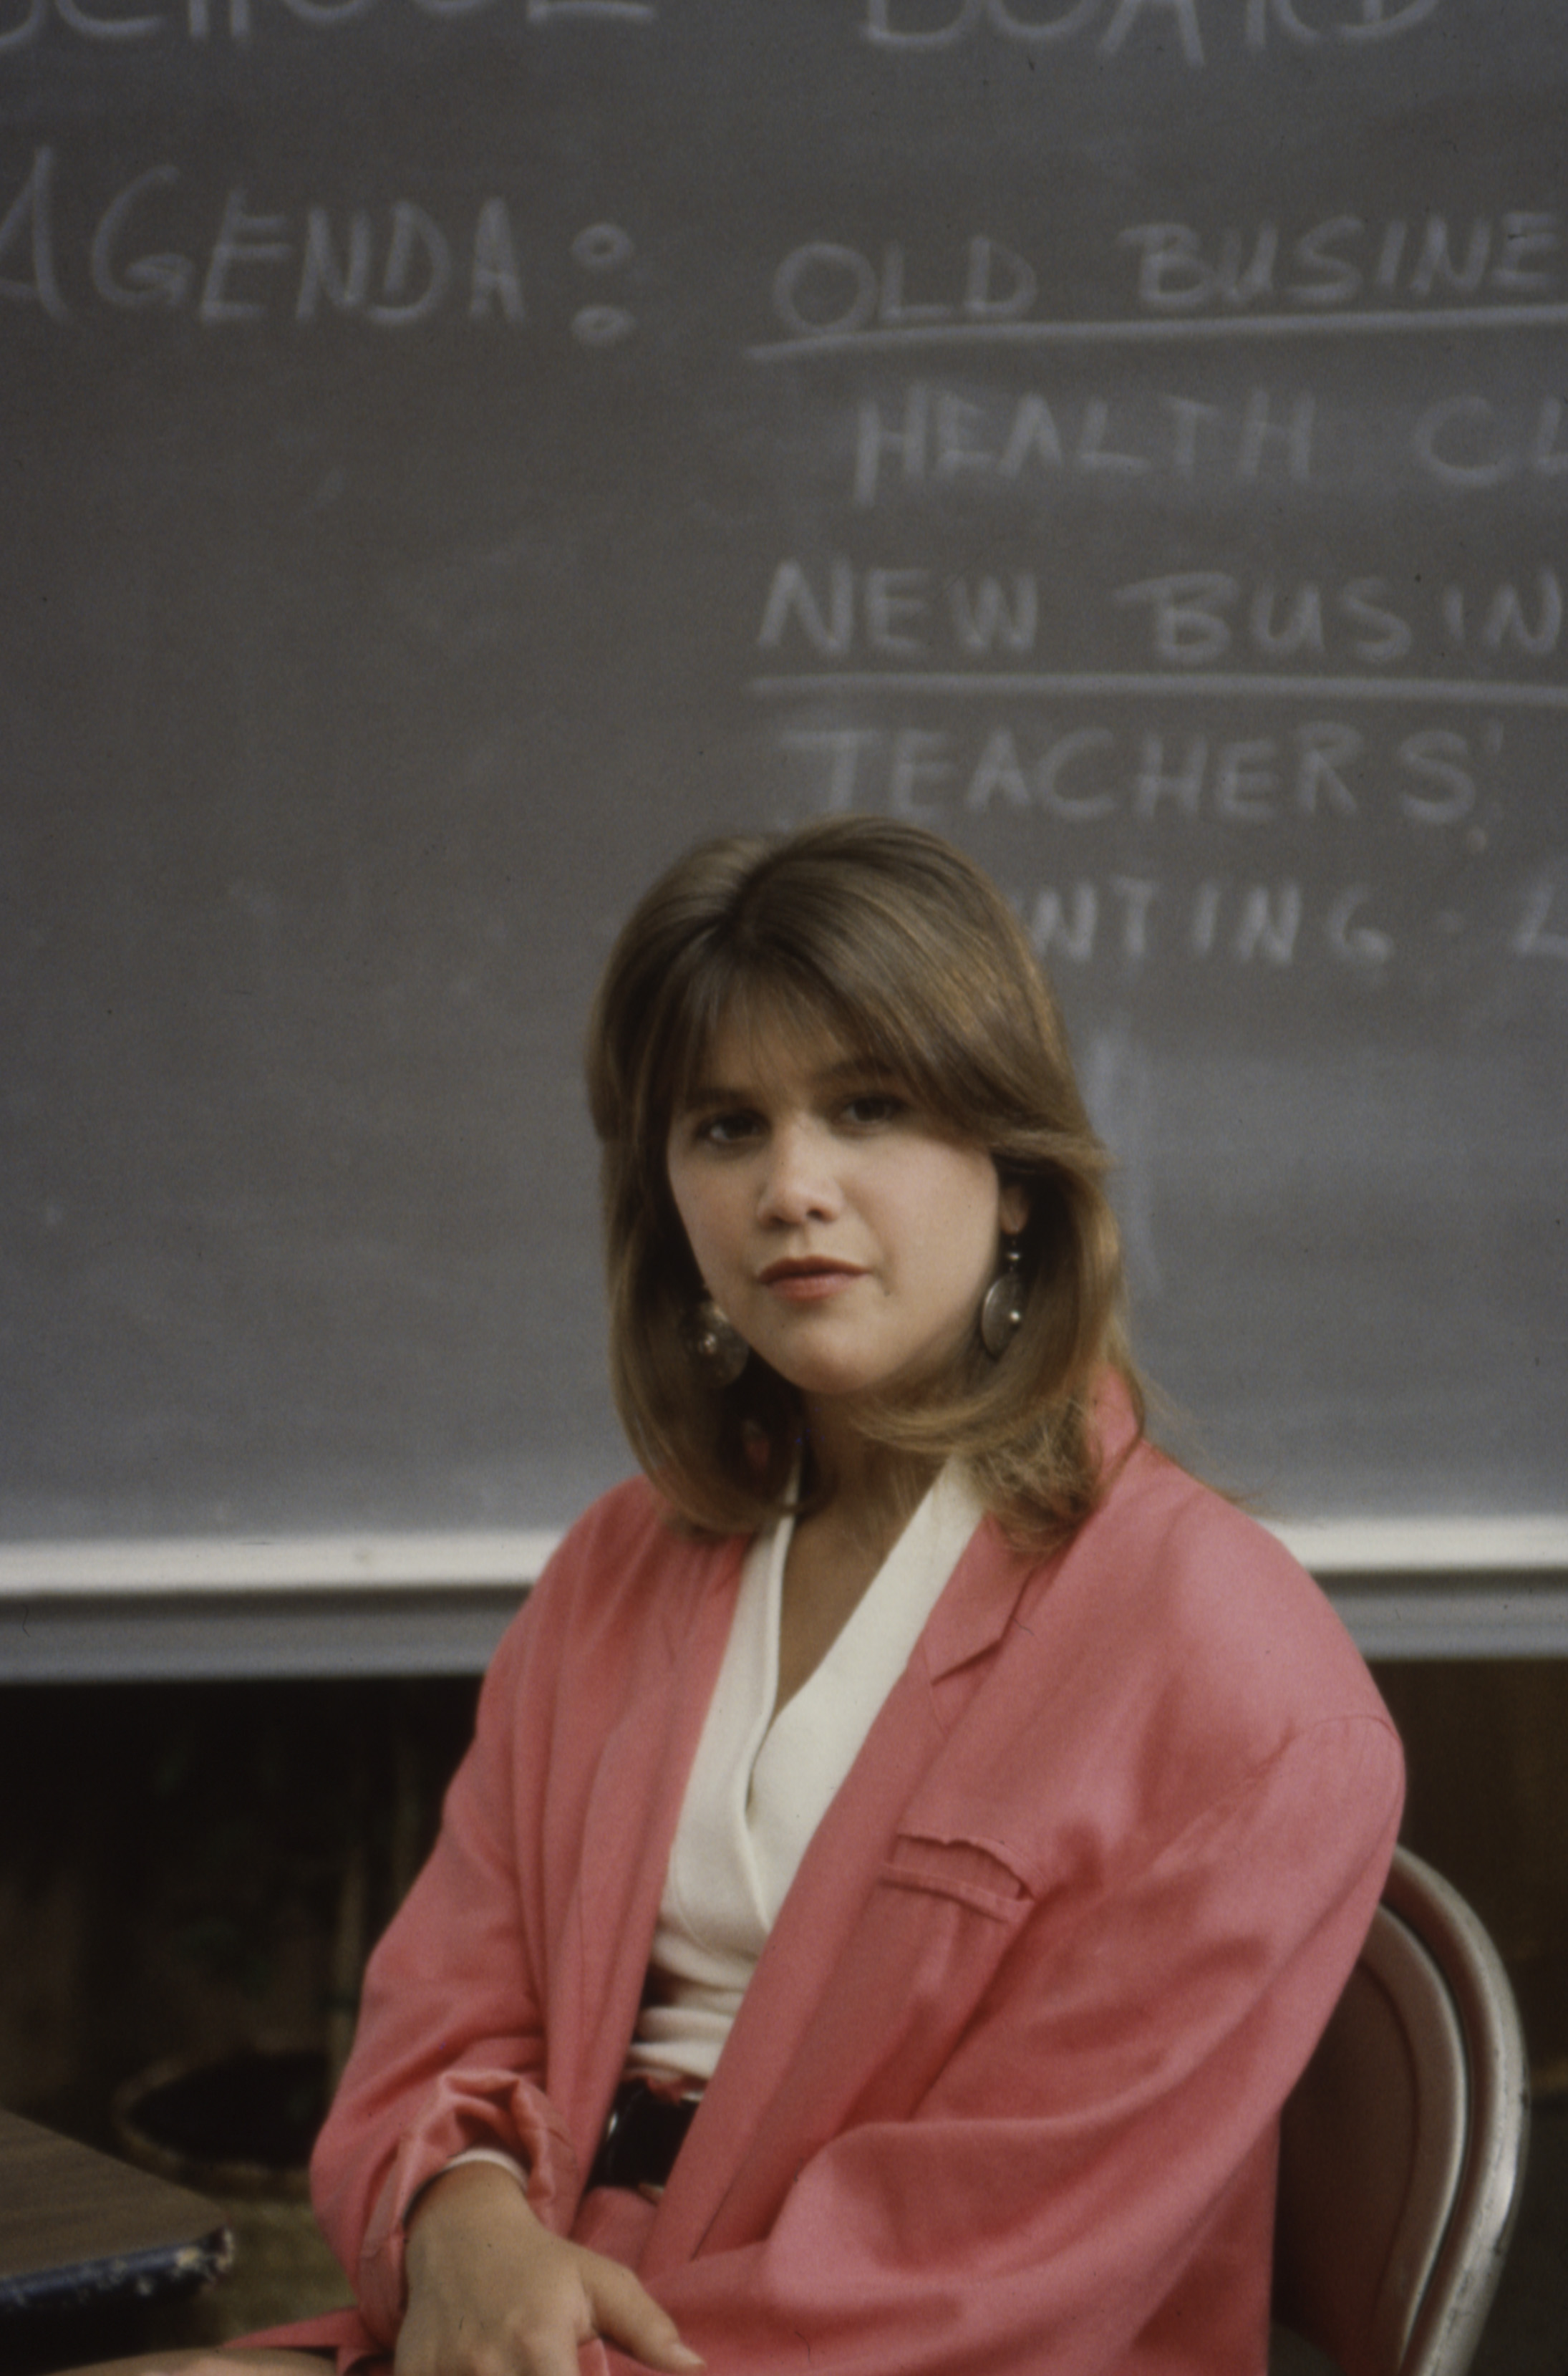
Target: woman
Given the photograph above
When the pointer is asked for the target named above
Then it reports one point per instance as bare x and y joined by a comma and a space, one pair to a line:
915, 1834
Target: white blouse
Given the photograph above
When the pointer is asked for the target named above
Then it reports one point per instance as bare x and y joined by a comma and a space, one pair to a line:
761, 1784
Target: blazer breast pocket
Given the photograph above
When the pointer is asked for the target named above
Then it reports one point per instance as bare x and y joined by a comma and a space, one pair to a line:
975, 1873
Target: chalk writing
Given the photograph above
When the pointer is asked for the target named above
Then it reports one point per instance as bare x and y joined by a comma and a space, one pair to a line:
602, 248
1519, 256
1196, 618
1192, 618
1468, 441
896, 611
1348, 275
1263, 924
1534, 936
201, 20
1114, 26
26, 230
391, 267
998, 443
1270, 926
1322, 782
823, 290
1323, 775
938, 437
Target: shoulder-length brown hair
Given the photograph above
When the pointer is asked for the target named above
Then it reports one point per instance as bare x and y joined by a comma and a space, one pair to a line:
900, 949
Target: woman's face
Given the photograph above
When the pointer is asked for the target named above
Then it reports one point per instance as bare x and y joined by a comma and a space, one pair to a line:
846, 1239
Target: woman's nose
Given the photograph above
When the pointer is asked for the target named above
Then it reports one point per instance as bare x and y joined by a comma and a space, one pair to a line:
799, 1183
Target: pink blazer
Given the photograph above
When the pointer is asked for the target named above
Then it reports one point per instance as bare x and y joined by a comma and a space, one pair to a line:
1002, 2094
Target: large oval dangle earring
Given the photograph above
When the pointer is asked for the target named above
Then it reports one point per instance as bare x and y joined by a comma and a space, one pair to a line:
716, 1343
1002, 1307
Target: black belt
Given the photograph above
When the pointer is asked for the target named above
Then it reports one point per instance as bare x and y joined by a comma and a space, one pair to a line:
642, 2136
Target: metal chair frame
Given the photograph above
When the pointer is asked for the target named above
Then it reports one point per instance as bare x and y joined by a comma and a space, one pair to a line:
1403, 2146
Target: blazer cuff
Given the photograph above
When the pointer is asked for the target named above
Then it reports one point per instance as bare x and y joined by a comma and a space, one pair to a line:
505, 2117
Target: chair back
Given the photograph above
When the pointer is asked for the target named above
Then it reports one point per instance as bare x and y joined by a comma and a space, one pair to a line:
1402, 2147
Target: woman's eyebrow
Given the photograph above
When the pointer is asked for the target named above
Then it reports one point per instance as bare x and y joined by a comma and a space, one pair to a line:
712, 1093
855, 1068
832, 1075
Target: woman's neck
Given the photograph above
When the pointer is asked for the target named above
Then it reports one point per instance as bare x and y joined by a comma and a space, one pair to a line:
839, 1546
872, 1488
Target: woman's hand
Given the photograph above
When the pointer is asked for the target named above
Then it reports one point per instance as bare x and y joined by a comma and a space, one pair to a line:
492, 2292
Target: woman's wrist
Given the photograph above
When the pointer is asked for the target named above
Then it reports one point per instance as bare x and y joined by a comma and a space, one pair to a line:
460, 2191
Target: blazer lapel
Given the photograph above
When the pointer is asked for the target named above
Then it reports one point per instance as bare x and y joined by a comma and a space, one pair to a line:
829, 1892
628, 1827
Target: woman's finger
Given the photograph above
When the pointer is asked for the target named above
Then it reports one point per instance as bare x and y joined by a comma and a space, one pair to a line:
547, 2348
625, 2313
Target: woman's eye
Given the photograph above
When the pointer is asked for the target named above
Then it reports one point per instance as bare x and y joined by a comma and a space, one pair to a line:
874, 1107
726, 1129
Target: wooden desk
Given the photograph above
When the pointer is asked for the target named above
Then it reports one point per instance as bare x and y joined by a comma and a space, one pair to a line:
80, 2232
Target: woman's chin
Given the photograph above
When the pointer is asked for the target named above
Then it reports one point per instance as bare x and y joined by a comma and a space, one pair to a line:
848, 1389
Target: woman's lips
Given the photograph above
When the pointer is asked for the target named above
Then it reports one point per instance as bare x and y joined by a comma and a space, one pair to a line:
809, 1280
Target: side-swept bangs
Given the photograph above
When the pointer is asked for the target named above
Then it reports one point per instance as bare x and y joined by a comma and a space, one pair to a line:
894, 948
